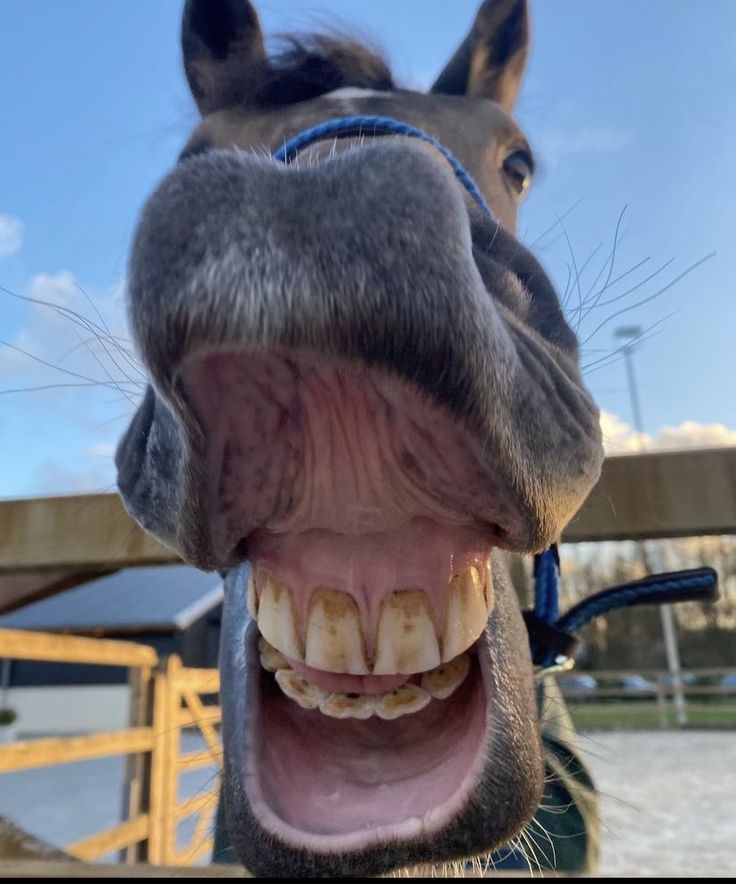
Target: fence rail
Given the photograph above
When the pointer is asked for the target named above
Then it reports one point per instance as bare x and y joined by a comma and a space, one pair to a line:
21, 644
165, 698
610, 685
658, 495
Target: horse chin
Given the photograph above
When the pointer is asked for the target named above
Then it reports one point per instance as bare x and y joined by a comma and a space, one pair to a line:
309, 794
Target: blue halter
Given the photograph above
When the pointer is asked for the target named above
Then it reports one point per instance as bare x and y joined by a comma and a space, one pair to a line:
551, 637
357, 127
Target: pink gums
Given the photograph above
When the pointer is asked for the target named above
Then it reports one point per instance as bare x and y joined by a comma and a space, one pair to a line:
340, 477
420, 555
340, 683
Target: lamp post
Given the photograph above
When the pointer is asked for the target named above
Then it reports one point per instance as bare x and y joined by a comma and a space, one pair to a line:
630, 334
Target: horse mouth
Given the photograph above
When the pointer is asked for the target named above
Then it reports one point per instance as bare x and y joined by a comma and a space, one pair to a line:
330, 772
359, 703
349, 723
346, 770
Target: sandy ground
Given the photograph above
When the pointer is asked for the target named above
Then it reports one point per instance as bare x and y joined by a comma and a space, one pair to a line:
669, 801
669, 805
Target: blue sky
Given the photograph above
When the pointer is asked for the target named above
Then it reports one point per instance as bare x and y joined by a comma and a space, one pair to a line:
628, 104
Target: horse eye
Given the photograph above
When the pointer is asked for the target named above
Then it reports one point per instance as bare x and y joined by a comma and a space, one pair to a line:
518, 169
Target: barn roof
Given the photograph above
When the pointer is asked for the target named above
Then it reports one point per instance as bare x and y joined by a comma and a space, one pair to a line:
161, 599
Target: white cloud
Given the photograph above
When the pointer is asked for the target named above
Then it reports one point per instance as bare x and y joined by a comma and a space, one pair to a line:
620, 438
85, 476
555, 144
60, 289
11, 235
693, 435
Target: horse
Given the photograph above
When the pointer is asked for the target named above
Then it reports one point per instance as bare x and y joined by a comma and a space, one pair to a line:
362, 397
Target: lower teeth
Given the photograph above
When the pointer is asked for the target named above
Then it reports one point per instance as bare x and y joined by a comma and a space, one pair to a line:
439, 683
360, 706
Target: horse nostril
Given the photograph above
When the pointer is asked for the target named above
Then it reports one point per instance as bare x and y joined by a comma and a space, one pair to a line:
499, 533
240, 551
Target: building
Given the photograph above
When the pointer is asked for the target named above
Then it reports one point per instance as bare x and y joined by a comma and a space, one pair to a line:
175, 609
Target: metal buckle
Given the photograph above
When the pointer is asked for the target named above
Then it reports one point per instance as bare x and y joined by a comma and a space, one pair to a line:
561, 664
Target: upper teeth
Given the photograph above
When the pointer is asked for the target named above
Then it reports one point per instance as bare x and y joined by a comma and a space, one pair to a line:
467, 613
406, 640
277, 619
334, 640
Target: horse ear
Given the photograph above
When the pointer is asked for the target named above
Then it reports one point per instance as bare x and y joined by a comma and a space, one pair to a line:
221, 40
490, 62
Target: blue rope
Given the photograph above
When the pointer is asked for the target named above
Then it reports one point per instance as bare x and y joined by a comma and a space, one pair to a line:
547, 585
546, 595
346, 127
638, 594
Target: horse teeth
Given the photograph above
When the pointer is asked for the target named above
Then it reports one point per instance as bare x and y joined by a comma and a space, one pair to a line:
467, 613
271, 659
443, 681
334, 641
402, 701
406, 640
277, 618
360, 706
298, 689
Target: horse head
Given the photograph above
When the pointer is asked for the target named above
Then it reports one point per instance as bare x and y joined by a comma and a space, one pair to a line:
362, 392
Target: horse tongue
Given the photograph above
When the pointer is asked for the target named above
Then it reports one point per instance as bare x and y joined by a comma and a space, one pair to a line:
342, 683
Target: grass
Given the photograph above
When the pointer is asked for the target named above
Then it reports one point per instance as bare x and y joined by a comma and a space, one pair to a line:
610, 716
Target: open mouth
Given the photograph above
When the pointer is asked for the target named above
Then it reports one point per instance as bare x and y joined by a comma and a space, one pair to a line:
365, 706
369, 714
339, 770
361, 767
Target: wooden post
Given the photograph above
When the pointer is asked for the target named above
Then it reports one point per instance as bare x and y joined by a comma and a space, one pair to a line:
164, 775
137, 786
662, 703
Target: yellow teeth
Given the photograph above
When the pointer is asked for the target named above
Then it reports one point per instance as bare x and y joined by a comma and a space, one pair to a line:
406, 641
299, 689
403, 701
277, 619
332, 637
271, 659
360, 706
440, 683
467, 613
334, 640
443, 681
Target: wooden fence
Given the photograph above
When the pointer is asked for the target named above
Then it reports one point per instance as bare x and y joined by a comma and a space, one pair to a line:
49, 544
655, 685
165, 698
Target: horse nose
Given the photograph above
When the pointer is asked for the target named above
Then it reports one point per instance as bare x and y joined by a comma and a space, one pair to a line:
236, 249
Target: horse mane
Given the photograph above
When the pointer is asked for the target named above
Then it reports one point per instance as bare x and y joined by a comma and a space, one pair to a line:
306, 67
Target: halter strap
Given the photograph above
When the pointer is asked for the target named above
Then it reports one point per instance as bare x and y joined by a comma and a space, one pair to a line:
552, 638
352, 127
